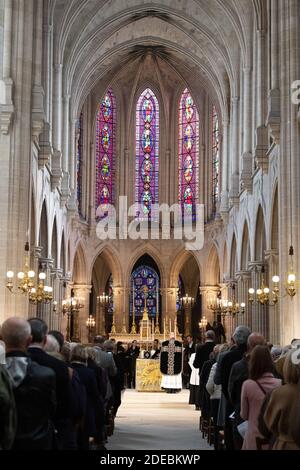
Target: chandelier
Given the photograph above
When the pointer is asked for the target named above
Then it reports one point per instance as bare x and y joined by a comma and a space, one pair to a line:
37, 292
226, 307
187, 300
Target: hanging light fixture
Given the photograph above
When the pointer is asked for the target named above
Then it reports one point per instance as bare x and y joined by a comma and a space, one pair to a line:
264, 295
37, 291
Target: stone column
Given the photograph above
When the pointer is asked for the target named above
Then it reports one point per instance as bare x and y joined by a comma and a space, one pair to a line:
56, 278
208, 292
274, 92
259, 312
44, 311
244, 284
224, 170
235, 165
247, 161
187, 318
118, 307
272, 262
289, 165
82, 291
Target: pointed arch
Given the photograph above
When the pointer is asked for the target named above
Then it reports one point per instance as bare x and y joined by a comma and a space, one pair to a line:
54, 244
147, 154
213, 267
43, 233
260, 236
188, 154
79, 266
245, 250
233, 257
106, 151
62, 262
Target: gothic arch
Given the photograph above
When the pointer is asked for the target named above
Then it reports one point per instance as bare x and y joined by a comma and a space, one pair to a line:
245, 249
233, 258
225, 261
260, 236
111, 258
153, 253
79, 273
212, 273
54, 244
62, 262
43, 231
178, 263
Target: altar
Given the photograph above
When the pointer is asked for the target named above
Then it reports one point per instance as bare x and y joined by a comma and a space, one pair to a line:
148, 375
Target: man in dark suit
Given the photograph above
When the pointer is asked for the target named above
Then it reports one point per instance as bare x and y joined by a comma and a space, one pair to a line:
33, 388
240, 337
64, 393
203, 350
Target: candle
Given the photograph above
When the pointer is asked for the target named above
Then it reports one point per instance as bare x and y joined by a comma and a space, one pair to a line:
175, 327
170, 325
164, 329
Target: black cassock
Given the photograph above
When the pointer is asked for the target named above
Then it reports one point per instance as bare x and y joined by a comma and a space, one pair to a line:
171, 364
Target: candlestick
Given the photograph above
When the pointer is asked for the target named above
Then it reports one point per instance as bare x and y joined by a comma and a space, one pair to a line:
170, 325
164, 329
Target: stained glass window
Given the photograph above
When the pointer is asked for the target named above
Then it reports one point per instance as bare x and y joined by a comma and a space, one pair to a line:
105, 150
79, 137
147, 154
110, 307
188, 195
215, 158
141, 277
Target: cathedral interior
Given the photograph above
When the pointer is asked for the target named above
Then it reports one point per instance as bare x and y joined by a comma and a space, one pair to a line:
169, 102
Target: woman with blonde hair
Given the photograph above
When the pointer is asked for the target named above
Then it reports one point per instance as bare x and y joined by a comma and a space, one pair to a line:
282, 414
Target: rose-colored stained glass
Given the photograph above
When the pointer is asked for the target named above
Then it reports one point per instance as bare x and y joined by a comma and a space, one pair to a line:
105, 151
215, 158
147, 154
188, 174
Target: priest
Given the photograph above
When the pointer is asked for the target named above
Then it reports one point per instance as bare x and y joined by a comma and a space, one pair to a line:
171, 365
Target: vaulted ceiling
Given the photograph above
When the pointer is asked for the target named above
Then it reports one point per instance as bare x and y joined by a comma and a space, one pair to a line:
204, 41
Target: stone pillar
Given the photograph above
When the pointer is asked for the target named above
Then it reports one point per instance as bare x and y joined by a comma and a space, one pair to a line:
289, 165
56, 280
274, 324
224, 170
260, 312
188, 318
119, 293
44, 311
247, 161
235, 166
244, 284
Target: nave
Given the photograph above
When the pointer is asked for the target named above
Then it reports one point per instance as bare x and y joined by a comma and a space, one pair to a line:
160, 421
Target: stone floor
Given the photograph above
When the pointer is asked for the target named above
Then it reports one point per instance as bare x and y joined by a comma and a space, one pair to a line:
156, 421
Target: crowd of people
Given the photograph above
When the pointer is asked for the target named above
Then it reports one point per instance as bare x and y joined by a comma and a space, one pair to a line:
59, 395
248, 390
